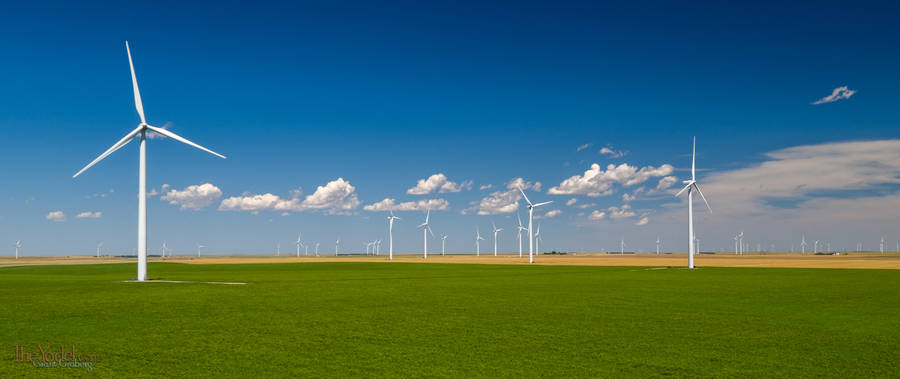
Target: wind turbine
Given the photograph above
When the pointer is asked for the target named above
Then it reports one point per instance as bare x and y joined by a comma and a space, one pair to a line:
735, 244
815, 246
337, 243
317, 249
367, 247
537, 240
391, 219
657, 245
519, 230
164, 249
530, 220
622, 246
141, 131
100, 245
299, 242
278, 249
690, 186
741, 238
443, 243
803, 244
199, 246
478, 240
18, 246
496, 231
425, 230
882, 245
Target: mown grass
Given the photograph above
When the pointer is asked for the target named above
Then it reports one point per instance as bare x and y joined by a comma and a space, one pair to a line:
378, 319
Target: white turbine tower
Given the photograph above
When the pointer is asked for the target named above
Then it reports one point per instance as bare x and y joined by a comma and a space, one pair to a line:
496, 232
815, 246
657, 245
741, 239
278, 249
443, 244
530, 220
690, 186
199, 246
425, 230
18, 246
317, 249
100, 246
141, 131
537, 240
337, 244
164, 249
882, 245
299, 242
478, 240
519, 230
803, 244
735, 244
391, 219
622, 246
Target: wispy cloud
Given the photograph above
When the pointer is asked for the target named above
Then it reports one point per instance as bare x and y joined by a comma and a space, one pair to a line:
608, 150
836, 94
582, 147
89, 214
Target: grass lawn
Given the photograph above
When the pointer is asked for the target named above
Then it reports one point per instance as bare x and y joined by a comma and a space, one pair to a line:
379, 319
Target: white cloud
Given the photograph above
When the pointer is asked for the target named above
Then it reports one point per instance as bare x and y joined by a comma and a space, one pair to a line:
623, 212
506, 201
582, 147
57, 216
665, 183
336, 197
585, 205
549, 214
571, 201
643, 221
836, 94
153, 135
597, 215
194, 197
440, 183
421, 205
596, 182
612, 153
486, 186
89, 214
627, 197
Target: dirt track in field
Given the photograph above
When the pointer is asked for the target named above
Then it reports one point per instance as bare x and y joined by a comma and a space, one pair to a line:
870, 261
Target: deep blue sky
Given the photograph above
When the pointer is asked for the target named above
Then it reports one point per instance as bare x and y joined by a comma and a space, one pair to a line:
382, 95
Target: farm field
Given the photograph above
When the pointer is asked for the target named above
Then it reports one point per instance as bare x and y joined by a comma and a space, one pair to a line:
421, 319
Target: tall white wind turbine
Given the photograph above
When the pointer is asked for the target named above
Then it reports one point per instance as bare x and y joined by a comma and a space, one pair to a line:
199, 246
882, 245
443, 244
690, 186
530, 220
537, 240
18, 246
100, 246
803, 244
478, 240
657, 245
741, 239
165, 249
519, 230
337, 244
299, 243
141, 131
391, 219
425, 230
317, 249
496, 231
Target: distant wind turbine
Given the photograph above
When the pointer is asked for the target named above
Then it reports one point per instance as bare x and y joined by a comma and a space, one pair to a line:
141, 131
337, 244
690, 186
478, 240
496, 231
165, 249
443, 243
519, 230
537, 240
299, 242
657, 245
530, 220
425, 230
317, 249
18, 246
278, 249
199, 246
100, 246
391, 219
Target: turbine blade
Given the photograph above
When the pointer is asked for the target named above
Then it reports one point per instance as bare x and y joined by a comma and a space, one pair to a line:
429, 230
684, 189
702, 197
182, 140
525, 196
544, 203
138, 104
122, 142
693, 160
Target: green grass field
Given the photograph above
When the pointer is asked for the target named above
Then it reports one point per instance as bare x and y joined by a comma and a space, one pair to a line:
377, 319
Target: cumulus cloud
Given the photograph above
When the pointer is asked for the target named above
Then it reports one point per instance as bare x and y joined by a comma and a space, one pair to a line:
597, 215
89, 214
619, 213
571, 201
336, 197
627, 197
612, 153
582, 147
506, 201
643, 221
596, 182
836, 94
422, 205
665, 183
57, 216
549, 214
438, 182
194, 197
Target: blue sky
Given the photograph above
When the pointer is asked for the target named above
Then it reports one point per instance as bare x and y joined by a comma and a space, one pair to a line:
383, 95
